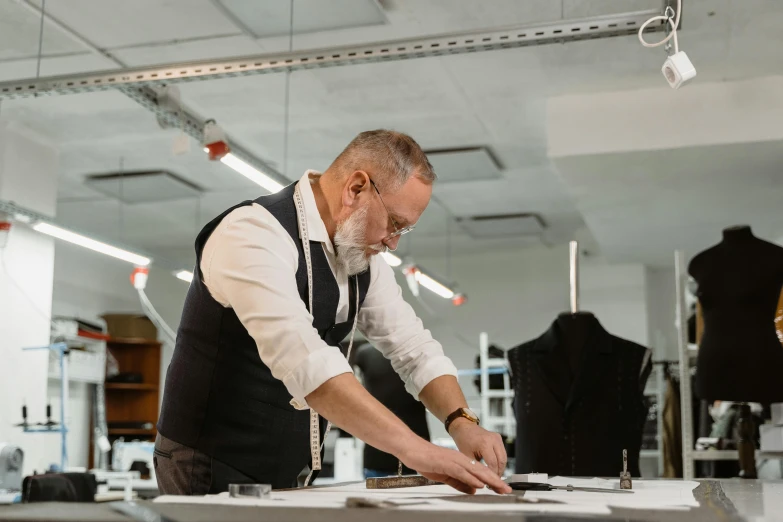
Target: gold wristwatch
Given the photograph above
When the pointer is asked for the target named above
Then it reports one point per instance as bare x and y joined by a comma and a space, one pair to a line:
465, 413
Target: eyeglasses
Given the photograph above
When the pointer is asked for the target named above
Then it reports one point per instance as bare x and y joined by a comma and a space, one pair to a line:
397, 230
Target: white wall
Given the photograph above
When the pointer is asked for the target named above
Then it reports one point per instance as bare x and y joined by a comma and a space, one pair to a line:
28, 167
515, 296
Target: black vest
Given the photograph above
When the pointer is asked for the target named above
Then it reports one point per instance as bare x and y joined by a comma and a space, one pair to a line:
220, 398
579, 427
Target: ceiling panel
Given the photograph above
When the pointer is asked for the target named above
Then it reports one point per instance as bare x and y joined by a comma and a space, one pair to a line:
590, 8
20, 31
471, 164
265, 19
117, 23
212, 48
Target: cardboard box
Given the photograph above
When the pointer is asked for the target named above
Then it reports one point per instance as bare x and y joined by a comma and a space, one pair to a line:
130, 326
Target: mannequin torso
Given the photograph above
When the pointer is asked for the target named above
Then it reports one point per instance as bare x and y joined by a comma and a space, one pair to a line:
574, 330
740, 357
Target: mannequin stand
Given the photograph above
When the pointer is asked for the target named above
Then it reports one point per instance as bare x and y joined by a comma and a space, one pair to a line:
745, 443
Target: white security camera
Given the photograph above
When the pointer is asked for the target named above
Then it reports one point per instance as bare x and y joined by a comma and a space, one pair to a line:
678, 70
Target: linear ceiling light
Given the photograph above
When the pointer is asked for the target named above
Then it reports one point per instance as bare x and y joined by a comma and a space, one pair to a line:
391, 259
92, 244
251, 173
184, 275
434, 286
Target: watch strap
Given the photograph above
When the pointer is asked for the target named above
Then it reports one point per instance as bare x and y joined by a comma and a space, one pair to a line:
459, 413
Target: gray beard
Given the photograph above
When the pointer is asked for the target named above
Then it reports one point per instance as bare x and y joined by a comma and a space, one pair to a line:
350, 243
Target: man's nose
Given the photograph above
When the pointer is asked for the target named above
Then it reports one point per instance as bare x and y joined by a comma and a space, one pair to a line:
392, 243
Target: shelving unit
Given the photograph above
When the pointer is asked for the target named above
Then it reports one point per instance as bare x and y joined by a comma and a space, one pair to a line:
505, 423
132, 431
134, 402
131, 386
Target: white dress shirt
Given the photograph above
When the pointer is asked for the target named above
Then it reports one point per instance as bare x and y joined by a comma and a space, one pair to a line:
249, 263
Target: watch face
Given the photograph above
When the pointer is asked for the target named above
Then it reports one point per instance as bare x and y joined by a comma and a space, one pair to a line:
470, 413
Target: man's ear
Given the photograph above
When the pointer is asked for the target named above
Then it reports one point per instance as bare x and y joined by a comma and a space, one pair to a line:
356, 183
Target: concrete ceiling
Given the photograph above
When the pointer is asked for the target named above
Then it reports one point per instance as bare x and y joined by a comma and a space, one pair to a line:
498, 100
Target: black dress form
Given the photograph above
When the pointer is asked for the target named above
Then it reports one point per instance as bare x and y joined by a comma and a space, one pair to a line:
740, 357
574, 329
578, 399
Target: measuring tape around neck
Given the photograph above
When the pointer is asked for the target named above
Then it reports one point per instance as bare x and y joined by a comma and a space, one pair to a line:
315, 429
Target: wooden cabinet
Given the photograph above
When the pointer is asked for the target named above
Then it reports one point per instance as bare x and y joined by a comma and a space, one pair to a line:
130, 403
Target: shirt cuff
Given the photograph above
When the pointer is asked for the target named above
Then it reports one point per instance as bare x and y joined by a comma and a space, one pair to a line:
429, 370
316, 369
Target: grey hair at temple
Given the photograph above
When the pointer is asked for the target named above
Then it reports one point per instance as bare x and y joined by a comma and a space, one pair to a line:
390, 157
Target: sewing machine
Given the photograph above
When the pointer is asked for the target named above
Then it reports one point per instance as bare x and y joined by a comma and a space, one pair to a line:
11, 458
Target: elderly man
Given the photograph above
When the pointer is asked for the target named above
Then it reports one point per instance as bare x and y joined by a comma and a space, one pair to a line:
279, 282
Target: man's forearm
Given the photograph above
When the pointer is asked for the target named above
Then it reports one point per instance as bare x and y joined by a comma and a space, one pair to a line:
346, 403
442, 396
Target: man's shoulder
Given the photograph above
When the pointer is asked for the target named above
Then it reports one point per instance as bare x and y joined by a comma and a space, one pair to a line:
253, 223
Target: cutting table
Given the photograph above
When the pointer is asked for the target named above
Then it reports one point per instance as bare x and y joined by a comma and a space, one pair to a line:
718, 500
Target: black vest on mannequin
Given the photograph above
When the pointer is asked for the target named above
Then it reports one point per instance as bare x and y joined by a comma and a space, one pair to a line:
740, 357
578, 399
220, 398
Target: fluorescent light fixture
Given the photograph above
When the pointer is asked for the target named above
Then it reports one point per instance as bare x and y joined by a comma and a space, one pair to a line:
86, 242
391, 259
185, 275
251, 173
434, 286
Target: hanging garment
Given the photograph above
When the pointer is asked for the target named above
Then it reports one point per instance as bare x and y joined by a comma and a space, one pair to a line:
672, 431
779, 318
576, 416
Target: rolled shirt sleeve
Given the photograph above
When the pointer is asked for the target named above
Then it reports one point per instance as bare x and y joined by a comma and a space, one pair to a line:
392, 325
249, 263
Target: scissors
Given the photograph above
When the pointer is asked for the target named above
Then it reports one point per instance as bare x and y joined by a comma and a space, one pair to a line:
542, 486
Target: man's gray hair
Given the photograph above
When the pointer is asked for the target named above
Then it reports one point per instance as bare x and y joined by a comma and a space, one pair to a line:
390, 157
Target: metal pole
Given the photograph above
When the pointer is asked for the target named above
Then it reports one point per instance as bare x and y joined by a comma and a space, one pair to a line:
63, 408
660, 384
483, 367
574, 279
508, 412
686, 406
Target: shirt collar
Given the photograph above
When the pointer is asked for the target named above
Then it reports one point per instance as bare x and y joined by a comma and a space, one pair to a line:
315, 224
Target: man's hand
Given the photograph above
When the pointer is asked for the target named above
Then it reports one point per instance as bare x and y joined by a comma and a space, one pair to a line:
478, 443
452, 468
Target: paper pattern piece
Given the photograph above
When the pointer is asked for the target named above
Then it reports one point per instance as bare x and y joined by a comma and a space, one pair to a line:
648, 495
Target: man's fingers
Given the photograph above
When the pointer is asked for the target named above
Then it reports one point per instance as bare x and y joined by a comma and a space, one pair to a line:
489, 478
500, 453
460, 486
464, 472
449, 481
488, 453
